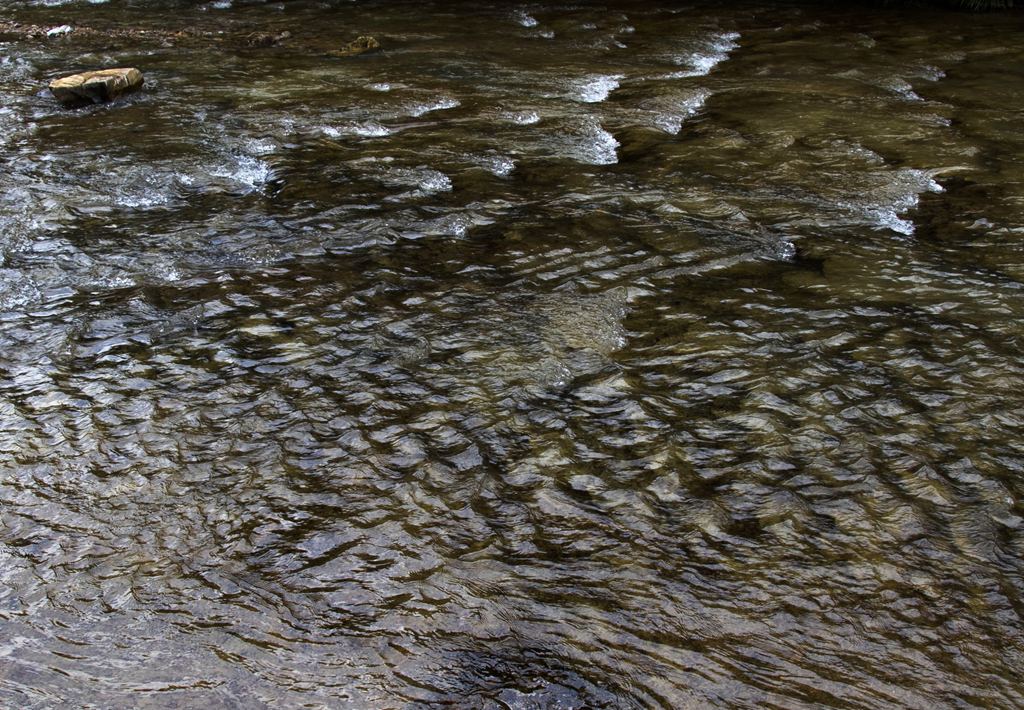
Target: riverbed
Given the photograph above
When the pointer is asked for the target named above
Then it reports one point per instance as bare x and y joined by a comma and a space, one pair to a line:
553, 356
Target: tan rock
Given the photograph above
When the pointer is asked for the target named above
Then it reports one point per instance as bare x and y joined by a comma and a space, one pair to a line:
360, 45
96, 87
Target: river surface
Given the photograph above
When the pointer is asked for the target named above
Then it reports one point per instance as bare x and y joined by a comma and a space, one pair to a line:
556, 356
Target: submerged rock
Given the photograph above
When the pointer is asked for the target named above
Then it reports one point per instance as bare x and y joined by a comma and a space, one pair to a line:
96, 87
266, 39
360, 45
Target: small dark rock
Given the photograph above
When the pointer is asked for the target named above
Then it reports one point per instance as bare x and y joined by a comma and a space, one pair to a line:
266, 39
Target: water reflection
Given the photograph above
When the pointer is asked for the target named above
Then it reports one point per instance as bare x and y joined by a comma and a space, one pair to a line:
559, 356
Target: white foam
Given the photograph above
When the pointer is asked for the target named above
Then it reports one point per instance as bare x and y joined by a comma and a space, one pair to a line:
931, 73
370, 129
499, 165
8, 123
590, 143
595, 88
445, 102
525, 20
702, 62
366, 129
251, 172
261, 146
890, 220
726, 41
15, 68
859, 151
143, 199
435, 181
425, 180
900, 192
901, 87
165, 270
16, 290
784, 250
454, 225
382, 86
142, 186
670, 113
521, 118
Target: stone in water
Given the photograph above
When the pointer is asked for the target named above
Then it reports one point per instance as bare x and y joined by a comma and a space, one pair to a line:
360, 45
96, 87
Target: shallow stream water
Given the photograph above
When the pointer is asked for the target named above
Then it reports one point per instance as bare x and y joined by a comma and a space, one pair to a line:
555, 356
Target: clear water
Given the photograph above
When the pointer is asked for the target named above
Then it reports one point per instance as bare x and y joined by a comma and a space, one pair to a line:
556, 356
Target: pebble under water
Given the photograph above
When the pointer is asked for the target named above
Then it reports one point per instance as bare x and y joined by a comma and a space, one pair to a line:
555, 356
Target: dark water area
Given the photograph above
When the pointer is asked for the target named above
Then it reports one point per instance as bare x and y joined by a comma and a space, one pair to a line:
619, 355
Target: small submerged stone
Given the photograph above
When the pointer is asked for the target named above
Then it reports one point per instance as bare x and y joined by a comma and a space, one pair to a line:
96, 87
360, 45
266, 39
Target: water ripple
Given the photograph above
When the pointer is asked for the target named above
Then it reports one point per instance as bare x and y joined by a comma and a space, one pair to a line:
591, 387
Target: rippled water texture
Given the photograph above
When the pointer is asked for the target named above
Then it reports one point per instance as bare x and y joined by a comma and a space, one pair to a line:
553, 357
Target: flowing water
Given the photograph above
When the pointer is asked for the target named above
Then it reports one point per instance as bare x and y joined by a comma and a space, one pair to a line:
556, 356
